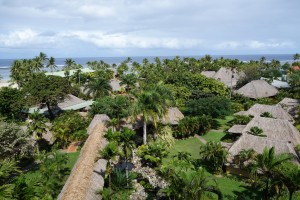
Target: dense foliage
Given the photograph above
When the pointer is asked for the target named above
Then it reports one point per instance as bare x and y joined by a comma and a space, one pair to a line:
11, 102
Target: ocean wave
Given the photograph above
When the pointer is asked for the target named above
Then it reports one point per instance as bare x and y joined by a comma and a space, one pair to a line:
5, 67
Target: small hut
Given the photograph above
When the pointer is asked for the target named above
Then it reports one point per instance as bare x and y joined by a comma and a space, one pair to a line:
225, 75
257, 89
276, 111
115, 85
274, 129
290, 105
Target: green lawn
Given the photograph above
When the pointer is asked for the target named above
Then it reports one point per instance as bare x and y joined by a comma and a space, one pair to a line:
190, 145
227, 186
214, 136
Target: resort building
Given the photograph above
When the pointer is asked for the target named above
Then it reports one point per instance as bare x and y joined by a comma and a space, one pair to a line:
257, 89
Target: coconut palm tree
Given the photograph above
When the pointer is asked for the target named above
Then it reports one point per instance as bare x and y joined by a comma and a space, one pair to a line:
110, 152
267, 165
190, 184
69, 63
152, 104
51, 64
7, 167
127, 144
37, 126
290, 176
129, 80
215, 154
296, 56
98, 87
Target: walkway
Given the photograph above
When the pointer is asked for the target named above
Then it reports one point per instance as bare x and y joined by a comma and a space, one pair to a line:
201, 139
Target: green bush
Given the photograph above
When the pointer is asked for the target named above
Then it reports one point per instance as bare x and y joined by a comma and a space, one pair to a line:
66, 125
153, 153
241, 119
215, 107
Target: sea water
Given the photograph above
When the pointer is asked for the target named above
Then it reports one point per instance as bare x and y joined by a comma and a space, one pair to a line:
6, 63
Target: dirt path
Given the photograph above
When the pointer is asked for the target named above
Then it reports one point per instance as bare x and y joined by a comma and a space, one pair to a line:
78, 182
201, 139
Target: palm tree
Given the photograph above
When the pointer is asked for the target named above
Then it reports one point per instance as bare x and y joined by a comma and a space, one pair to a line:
98, 87
7, 168
214, 154
244, 156
110, 152
127, 144
290, 176
69, 63
190, 184
152, 105
37, 126
266, 164
51, 64
296, 56
129, 80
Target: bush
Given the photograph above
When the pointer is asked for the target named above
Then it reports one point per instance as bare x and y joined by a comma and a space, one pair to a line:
212, 106
241, 119
66, 125
189, 126
153, 153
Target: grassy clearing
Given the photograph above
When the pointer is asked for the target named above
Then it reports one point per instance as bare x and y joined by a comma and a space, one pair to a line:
227, 185
214, 136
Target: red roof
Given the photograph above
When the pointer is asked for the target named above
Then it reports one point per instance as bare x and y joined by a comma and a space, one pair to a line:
295, 68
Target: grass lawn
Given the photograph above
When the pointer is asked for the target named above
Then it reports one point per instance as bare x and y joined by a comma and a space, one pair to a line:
227, 186
214, 136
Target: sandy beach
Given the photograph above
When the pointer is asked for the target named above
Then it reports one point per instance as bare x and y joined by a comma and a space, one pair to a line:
6, 83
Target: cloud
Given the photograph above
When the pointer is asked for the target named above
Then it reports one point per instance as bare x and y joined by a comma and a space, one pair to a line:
120, 41
24, 38
265, 45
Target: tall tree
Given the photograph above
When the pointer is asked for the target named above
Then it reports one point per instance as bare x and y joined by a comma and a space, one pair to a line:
46, 89
98, 87
36, 127
11, 102
152, 104
51, 64
267, 165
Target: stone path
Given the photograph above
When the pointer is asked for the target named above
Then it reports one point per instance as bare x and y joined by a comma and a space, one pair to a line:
201, 139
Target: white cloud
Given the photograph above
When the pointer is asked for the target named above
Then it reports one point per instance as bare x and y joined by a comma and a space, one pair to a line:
24, 38
264, 45
120, 40
228, 45
97, 11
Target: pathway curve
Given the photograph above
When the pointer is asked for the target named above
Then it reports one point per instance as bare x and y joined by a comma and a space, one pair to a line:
201, 139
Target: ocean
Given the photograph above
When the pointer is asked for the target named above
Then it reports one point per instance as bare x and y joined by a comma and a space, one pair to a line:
6, 63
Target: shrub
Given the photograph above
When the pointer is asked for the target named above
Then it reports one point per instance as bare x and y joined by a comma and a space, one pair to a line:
153, 153
165, 134
266, 114
256, 131
211, 106
241, 119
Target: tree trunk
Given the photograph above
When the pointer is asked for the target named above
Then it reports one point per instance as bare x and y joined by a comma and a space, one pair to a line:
291, 195
109, 175
267, 190
145, 132
49, 110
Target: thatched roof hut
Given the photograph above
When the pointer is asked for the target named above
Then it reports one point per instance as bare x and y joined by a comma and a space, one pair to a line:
115, 85
275, 129
173, 116
258, 144
209, 74
225, 75
257, 89
238, 129
276, 111
290, 105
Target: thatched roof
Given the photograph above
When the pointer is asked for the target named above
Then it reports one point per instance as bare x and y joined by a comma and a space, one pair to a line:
247, 141
173, 116
70, 102
290, 105
275, 129
224, 75
209, 74
257, 89
275, 110
237, 129
115, 85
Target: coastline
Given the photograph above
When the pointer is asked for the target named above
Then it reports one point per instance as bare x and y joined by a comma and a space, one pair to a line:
7, 83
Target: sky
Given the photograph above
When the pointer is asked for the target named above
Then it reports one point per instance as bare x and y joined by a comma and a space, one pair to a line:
117, 28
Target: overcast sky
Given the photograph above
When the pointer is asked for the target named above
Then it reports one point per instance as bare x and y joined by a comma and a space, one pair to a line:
101, 28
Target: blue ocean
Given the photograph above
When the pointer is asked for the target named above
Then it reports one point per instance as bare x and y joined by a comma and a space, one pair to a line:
6, 63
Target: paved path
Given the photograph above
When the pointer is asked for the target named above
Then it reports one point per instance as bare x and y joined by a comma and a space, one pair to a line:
201, 139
